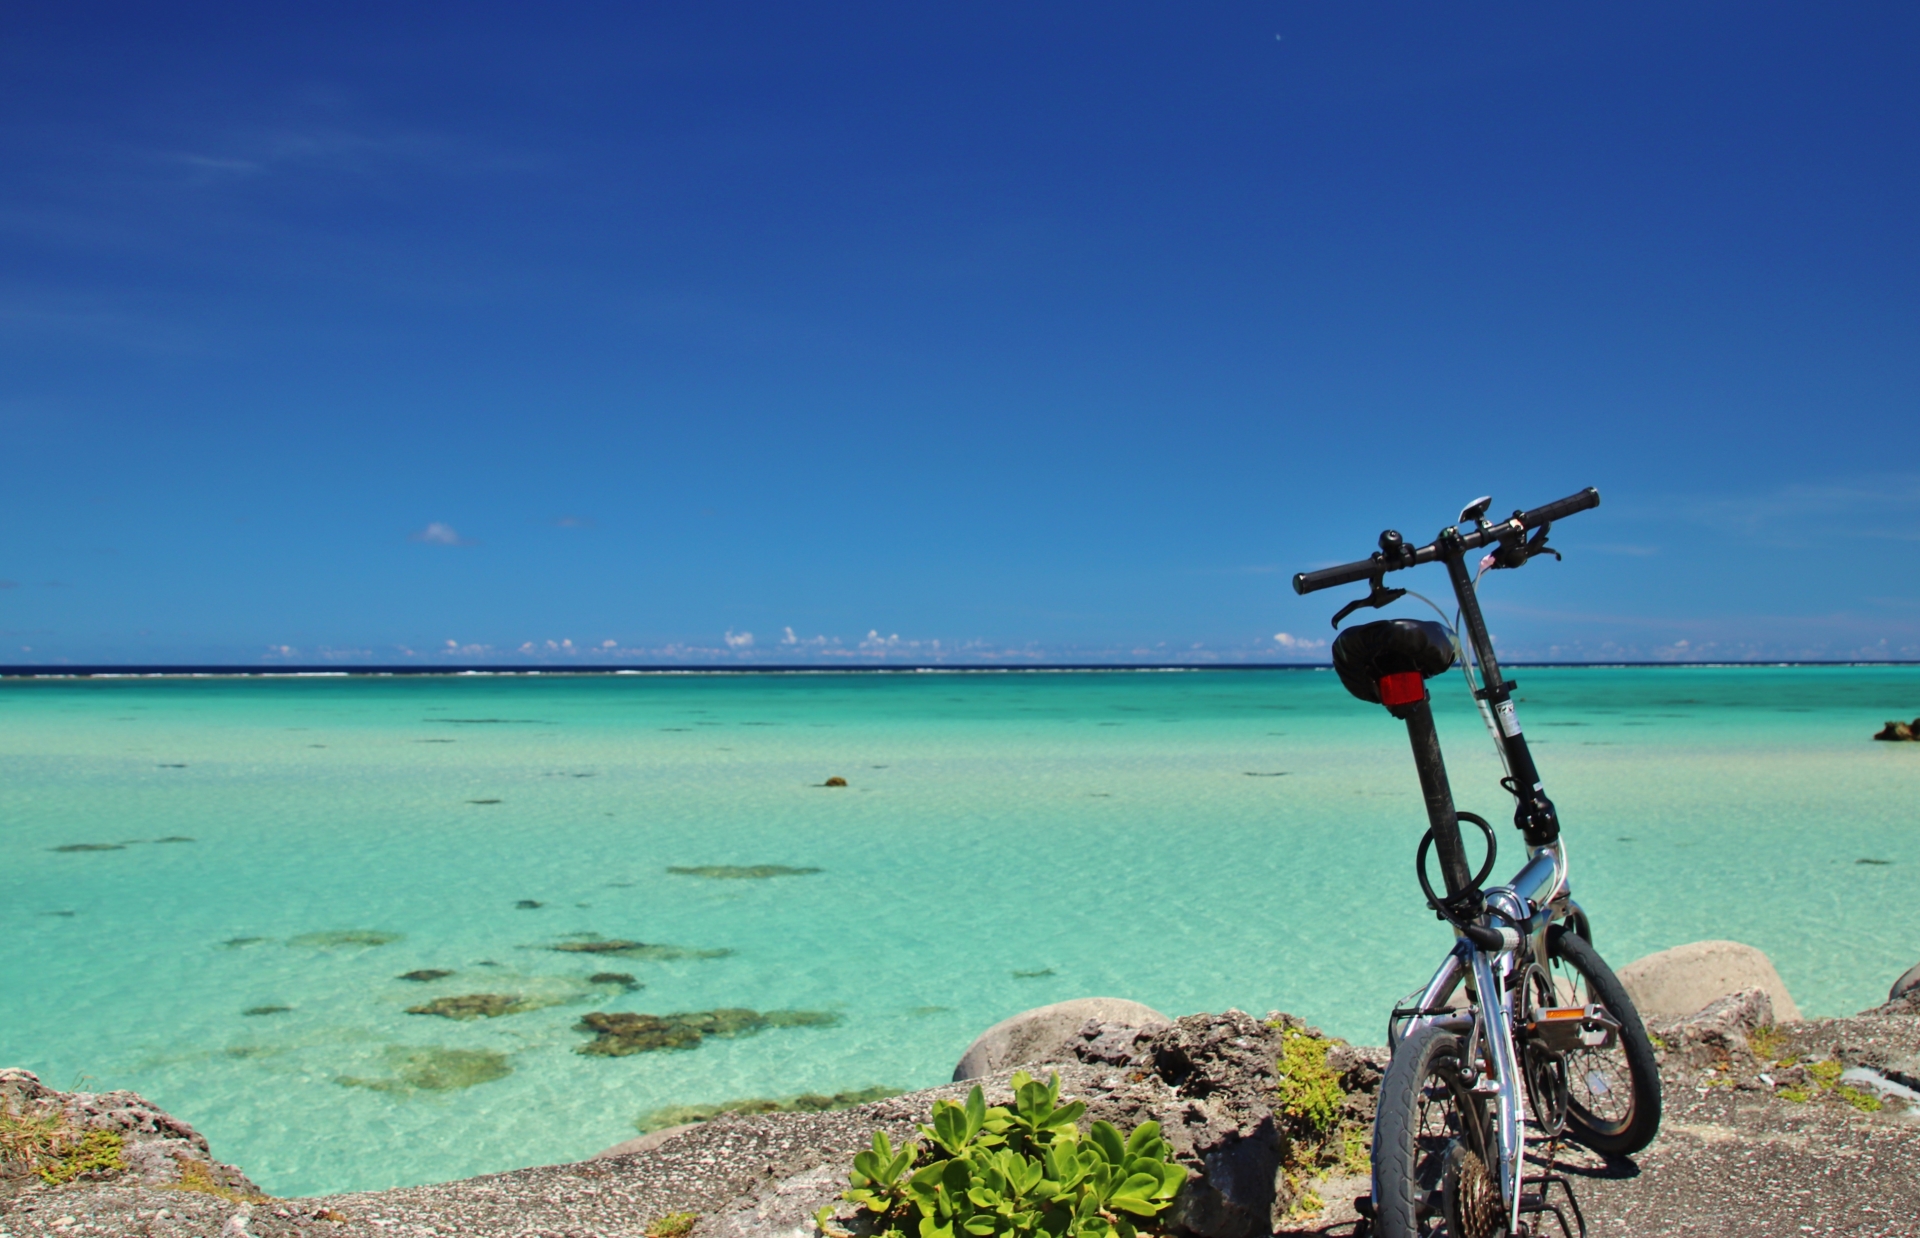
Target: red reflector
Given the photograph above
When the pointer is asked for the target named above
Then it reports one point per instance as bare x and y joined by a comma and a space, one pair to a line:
1406, 688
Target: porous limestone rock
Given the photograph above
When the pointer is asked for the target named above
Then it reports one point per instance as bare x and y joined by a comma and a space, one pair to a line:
1675, 983
1720, 1032
1041, 1034
157, 1149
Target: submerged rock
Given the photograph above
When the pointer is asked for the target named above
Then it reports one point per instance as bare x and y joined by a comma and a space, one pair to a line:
807, 1102
1908, 731
621, 1034
737, 872
252, 1011
175, 838
480, 1006
425, 974
434, 1069
637, 950
624, 979
835, 781
345, 937
89, 847
528, 904
234, 943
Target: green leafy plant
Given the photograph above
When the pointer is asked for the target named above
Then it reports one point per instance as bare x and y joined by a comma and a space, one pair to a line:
1014, 1172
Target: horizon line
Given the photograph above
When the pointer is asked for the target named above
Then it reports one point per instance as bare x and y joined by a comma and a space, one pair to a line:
109, 670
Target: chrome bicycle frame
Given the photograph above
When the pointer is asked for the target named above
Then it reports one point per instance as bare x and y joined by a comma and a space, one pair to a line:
1535, 898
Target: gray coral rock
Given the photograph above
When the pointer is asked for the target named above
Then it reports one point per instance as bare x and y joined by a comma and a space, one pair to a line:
159, 1150
1041, 1034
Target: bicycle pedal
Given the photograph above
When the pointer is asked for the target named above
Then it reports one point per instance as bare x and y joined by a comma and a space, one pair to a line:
1363, 1205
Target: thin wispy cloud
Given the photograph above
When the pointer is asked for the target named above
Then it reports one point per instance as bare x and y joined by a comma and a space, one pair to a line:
1875, 506
438, 534
573, 522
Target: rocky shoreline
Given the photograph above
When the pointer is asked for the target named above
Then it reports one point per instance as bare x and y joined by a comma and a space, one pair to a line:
1773, 1125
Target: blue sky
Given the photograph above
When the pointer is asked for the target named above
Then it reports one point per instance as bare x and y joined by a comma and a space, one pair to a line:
425, 333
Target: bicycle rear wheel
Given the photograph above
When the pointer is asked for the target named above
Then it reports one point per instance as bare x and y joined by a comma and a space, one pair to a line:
1428, 1128
1613, 1090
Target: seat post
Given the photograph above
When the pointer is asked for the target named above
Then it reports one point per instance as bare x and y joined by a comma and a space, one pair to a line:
1418, 716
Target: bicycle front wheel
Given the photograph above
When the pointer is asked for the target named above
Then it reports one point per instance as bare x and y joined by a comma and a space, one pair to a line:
1430, 1128
1613, 1090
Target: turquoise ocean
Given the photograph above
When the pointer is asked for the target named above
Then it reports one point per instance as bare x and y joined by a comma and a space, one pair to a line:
1192, 840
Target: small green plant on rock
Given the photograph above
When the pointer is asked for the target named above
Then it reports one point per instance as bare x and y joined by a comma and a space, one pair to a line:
1309, 1088
672, 1225
999, 1172
1322, 1137
1767, 1043
57, 1153
1824, 1076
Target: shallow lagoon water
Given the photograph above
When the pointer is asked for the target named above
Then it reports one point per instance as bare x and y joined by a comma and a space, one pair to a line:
1192, 840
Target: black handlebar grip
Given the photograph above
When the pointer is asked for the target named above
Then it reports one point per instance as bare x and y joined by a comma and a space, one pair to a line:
1328, 577
1559, 509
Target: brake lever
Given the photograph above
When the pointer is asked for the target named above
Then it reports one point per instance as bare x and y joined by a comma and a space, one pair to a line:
1379, 596
1514, 552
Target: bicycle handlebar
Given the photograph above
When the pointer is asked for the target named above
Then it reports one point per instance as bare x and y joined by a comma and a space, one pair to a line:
1346, 573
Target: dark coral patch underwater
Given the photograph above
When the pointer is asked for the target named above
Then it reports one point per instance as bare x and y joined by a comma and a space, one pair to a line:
345, 937
806, 1102
636, 949
481, 1005
739, 872
434, 1069
623, 1034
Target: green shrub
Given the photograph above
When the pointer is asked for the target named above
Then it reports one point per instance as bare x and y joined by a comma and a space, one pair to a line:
995, 1172
1309, 1088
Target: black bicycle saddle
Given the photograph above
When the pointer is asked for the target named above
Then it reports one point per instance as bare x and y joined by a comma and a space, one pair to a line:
1369, 653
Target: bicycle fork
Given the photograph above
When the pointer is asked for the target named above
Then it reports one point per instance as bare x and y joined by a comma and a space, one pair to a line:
1510, 1102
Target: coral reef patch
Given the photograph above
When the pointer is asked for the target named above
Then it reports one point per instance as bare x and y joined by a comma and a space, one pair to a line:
345, 937
622, 1034
636, 949
739, 872
481, 1005
434, 1069
806, 1102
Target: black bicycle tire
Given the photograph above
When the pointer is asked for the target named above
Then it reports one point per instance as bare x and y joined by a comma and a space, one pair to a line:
1396, 1201
1642, 1123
